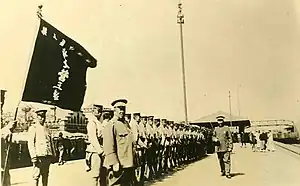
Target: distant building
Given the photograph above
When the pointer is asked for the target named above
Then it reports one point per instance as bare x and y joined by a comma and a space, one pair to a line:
274, 125
74, 122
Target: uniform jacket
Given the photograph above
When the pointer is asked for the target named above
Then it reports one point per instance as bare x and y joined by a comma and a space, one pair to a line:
40, 142
224, 137
118, 143
94, 132
134, 127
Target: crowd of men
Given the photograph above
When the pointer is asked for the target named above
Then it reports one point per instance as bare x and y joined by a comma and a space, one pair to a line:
120, 150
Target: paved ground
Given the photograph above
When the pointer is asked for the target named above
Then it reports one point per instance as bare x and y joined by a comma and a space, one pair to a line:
280, 168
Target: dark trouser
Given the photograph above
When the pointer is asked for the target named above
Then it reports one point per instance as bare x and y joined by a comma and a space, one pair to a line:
126, 179
143, 166
224, 160
42, 169
150, 161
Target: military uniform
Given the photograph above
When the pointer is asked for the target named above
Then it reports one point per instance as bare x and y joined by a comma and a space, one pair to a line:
119, 149
41, 149
223, 140
94, 150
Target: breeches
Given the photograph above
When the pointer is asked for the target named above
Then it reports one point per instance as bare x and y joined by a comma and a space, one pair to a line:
126, 178
41, 168
98, 173
224, 160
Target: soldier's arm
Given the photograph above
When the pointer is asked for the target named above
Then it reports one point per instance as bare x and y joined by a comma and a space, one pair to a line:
5, 132
92, 133
109, 145
31, 142
8, 129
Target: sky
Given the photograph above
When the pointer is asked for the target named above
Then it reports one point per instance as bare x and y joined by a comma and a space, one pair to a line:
249, 48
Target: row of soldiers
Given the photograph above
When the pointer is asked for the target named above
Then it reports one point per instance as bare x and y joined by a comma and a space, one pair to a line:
120, 150
163, 145
158, 145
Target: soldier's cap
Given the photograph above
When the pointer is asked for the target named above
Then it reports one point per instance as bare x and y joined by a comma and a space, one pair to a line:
157, 120
107, 110
165, 120
220, 118
119, 103
128, 115
136, 114
150, 118
100, 107
144, 117
41, 112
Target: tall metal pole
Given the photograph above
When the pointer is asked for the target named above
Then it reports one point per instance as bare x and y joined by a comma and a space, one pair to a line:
180, 21
238, 99
230, 108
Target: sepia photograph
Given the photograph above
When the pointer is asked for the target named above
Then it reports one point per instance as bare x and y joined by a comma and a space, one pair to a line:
150, 92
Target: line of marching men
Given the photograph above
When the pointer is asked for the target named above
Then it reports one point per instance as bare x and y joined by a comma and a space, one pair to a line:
120, 150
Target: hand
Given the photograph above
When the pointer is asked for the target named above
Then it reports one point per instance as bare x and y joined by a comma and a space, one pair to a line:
116, 167
12, 125
102, 154
35, 160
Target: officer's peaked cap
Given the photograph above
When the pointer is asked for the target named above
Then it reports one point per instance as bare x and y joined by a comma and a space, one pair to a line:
41, 112
220, 117
98, 106
151, 118
119, 103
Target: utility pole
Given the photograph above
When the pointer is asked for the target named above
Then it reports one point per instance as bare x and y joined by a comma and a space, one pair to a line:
180, 21
238, 99
230, 108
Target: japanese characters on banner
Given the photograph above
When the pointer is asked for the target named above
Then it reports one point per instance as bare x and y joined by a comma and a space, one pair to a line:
57, 74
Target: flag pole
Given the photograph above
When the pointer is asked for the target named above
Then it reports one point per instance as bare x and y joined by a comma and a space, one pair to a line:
180, 21
230, 108
39, 14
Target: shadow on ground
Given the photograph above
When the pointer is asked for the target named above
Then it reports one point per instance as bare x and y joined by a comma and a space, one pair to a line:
237, 174
164, 177
18, 183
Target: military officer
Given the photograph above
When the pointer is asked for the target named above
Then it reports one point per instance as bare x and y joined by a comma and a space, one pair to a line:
119, 147
94, 150
41, 148
223, 141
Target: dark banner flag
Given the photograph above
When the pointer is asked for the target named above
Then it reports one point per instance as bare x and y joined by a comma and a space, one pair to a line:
57, 73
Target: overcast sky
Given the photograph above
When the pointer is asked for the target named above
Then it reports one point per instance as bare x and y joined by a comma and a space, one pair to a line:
253, 45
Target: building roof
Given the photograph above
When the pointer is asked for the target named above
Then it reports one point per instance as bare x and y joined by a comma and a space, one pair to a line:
212, 117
